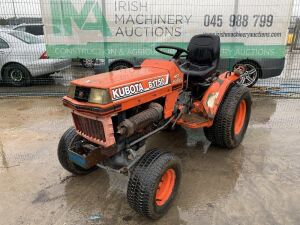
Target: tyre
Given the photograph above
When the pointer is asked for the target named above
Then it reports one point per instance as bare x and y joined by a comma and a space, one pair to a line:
251, 75
231, 121
88, 63
119, 65
69, 138
16, 75
153, 183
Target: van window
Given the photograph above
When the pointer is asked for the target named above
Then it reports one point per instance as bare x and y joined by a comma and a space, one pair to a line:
3, 44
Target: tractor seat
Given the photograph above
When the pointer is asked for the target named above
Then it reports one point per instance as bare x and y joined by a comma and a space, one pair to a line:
203, 56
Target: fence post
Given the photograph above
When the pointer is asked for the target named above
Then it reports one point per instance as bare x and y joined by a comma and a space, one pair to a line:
106, 61
296, 36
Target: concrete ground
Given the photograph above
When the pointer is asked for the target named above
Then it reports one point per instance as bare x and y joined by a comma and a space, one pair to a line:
257, 183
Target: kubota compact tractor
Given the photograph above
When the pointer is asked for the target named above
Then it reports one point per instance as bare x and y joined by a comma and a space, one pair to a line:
115, 112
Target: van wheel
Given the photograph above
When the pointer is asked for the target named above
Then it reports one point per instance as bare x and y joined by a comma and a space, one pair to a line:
231, 122
16, 75
251, 75
69, 138
119, 65
88, 63
153, 183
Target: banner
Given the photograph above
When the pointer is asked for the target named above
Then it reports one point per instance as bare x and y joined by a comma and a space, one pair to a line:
132, 28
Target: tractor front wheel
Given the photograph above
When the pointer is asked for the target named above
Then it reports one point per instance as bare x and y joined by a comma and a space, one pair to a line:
153, 183
68, 140
231, 121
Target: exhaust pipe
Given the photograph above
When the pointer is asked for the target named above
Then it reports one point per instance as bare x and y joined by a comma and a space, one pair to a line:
141, 120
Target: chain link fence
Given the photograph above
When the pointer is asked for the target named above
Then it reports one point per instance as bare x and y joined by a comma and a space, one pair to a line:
26, 70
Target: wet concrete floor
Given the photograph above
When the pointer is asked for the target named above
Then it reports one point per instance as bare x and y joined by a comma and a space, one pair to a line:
257, 183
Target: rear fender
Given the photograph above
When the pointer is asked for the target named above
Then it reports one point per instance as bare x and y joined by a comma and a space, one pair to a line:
214, 95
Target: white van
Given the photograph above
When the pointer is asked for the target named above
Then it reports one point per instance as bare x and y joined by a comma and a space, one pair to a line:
253, 33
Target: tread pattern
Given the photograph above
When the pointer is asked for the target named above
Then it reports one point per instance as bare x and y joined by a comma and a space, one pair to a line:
68, 138
221, 132
144, 180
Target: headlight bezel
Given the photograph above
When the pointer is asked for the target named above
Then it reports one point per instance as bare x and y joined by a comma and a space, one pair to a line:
71, 91
99, 96
96, 95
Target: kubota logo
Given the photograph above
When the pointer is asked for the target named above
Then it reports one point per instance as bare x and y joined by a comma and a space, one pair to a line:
86, 16
138, 88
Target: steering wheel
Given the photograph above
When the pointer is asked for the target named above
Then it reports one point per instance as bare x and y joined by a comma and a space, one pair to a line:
178, 53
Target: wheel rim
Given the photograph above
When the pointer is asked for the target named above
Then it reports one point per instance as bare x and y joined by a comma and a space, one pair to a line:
89, 63
240, 117
16, 75
250, 75
165, 187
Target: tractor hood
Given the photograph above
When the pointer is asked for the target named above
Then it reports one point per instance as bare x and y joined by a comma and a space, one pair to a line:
126, 88
149, 70
121, 84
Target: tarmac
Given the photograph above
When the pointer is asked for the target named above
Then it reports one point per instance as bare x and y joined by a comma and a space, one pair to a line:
256, 183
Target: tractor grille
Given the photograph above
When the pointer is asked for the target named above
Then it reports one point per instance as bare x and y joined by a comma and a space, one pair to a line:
82, 94
89, 128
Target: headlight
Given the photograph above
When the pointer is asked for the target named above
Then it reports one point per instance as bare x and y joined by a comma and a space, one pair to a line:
99, 96
71, 91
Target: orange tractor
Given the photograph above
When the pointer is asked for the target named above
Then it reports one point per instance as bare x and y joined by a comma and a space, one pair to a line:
115, 112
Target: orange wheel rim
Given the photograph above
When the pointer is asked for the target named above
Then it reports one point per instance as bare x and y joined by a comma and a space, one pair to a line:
165, 187
240, 117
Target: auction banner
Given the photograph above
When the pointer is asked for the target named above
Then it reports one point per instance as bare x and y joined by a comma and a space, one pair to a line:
133, 28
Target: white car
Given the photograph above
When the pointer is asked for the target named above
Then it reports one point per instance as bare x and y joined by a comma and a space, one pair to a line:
23, 56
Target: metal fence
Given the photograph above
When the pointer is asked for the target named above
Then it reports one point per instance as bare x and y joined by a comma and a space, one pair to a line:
52, 77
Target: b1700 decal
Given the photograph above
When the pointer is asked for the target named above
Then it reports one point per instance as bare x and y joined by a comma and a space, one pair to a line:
138, 88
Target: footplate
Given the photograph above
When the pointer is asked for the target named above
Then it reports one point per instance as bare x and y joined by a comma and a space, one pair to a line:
194, 120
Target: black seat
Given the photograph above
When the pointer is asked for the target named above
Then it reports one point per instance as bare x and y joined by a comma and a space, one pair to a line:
203, 56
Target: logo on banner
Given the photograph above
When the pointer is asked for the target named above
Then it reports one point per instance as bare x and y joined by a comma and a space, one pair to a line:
65, 13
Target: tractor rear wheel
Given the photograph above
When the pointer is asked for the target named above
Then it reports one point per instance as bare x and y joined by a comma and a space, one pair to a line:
231, 121
153, 183
69, 138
